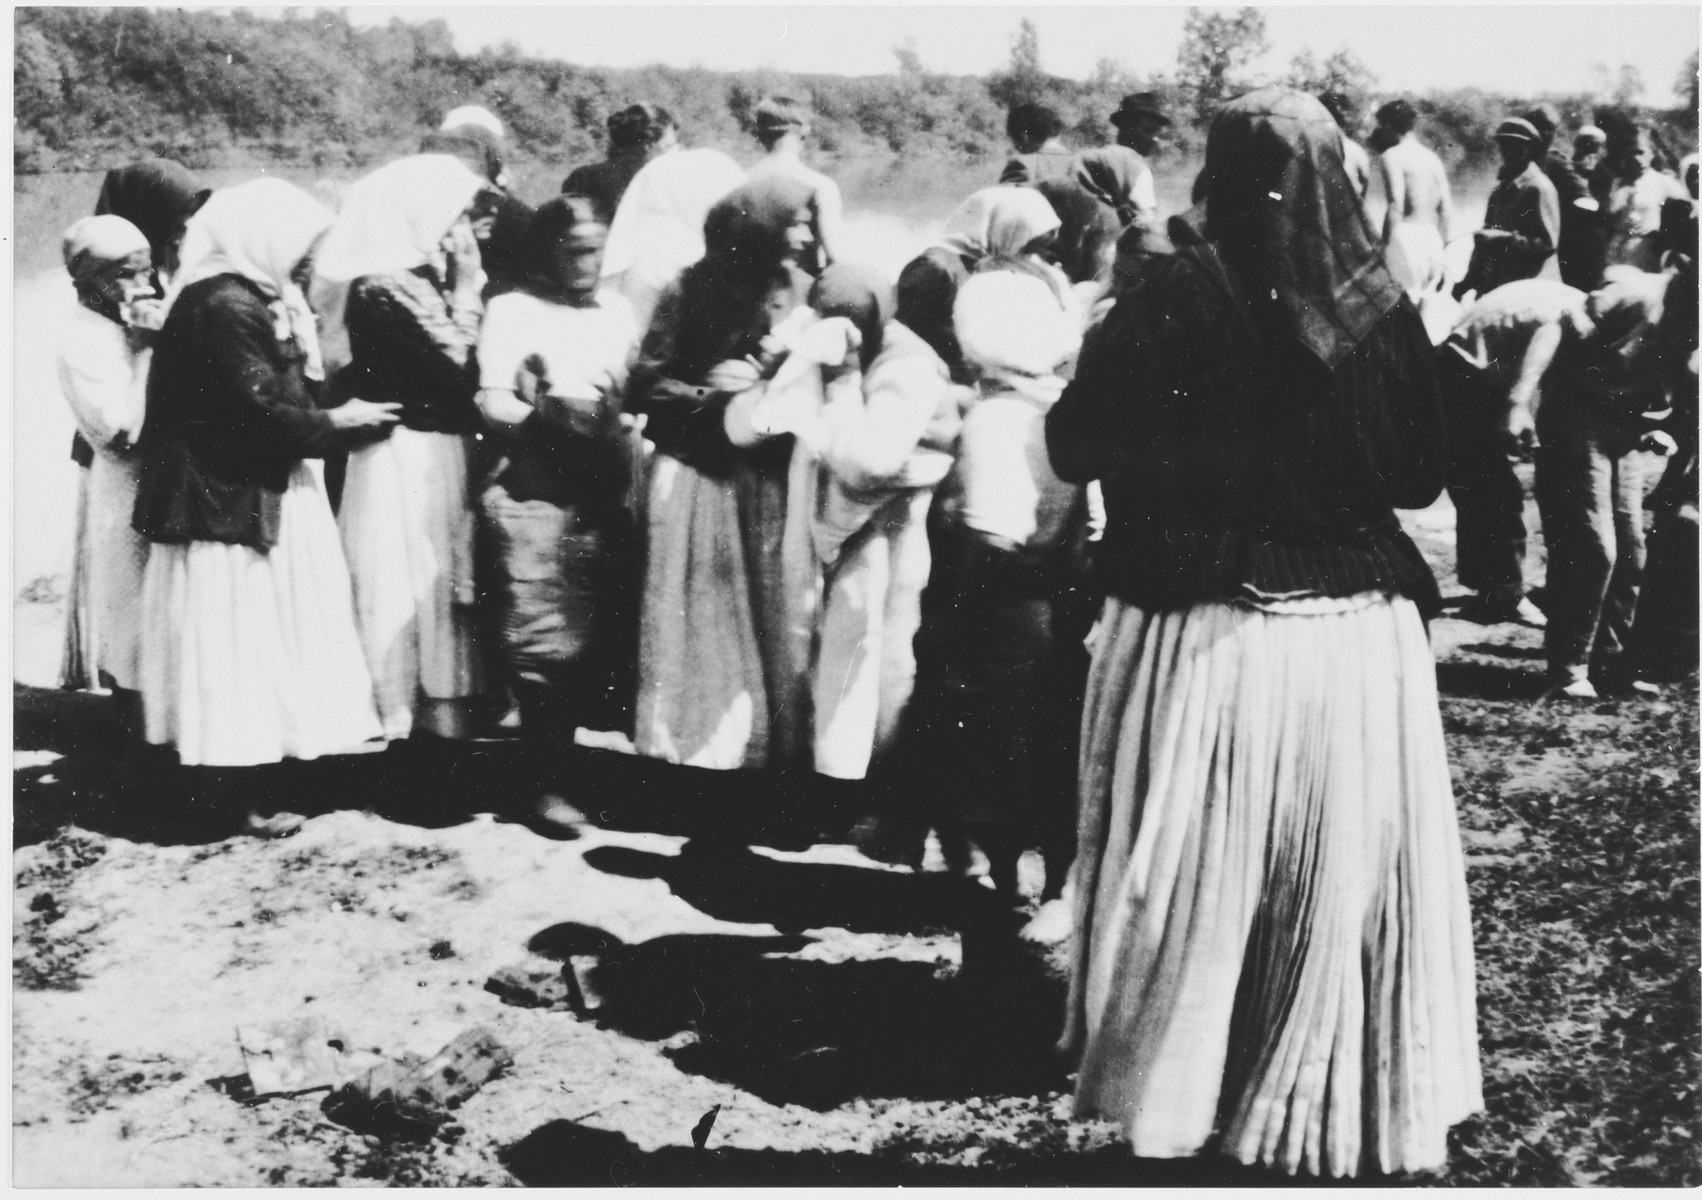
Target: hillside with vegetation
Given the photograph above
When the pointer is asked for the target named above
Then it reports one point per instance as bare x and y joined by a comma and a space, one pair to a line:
312, 90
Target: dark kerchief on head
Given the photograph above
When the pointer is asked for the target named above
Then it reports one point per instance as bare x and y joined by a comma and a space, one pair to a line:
1285, 215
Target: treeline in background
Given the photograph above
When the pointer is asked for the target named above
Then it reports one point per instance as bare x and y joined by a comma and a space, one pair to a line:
311, 91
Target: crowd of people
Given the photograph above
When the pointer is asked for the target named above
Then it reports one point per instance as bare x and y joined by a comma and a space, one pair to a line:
1078, 536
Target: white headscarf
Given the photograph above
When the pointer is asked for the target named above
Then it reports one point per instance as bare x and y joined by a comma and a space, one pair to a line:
259, 230
392, 221
471, 114
92, 244
998, 222
1011, 327
658, 228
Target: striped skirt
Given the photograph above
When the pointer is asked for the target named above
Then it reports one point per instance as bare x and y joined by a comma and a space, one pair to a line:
1272, 946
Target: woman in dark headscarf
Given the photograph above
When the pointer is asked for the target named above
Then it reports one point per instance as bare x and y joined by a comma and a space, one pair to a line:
1272, 939
715, 607
158, 197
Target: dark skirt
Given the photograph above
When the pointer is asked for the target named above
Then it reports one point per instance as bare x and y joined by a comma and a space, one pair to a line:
562, 591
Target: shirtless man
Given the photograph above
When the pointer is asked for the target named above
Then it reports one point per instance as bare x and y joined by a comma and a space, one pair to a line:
782, 126
1420, 216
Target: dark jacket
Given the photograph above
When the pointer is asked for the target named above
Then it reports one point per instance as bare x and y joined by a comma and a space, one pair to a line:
1234, 463
230, 415
409, 348
1527, 207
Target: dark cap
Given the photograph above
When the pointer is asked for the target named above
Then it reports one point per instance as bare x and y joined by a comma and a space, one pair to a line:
775, 114
1140, 104
1517, 129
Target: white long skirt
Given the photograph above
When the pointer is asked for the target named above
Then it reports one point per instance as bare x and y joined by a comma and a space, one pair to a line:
701, 696
250, 657
407, 528
104, 612
78, 658
866, 661
1272, 939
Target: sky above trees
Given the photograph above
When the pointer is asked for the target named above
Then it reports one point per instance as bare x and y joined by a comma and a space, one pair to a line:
1517, 49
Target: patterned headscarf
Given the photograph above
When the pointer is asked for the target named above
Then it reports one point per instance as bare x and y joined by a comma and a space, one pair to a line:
1281, 208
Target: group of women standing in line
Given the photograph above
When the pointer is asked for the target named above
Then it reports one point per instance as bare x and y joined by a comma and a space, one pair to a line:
806, 522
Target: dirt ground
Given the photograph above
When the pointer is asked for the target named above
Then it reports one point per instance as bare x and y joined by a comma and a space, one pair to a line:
817, 1000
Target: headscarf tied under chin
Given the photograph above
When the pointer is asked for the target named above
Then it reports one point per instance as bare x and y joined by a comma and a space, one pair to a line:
1283, 212
392, 221
722, 296
262, 231
861, 295
93, 245
155, 195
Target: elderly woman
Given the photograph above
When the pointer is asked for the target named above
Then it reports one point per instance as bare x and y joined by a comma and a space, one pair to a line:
157, 197
1272, 948
103, 368
249, 653
397, 280
552, 360
713, 642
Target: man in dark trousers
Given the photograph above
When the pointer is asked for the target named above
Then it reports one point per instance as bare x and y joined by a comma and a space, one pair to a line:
1522, 222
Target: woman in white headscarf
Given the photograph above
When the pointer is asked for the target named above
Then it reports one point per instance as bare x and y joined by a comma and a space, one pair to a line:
248, 650
398, 282
658, 228
103, 367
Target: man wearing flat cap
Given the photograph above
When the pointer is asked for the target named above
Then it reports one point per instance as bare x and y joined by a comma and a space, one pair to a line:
1522, 223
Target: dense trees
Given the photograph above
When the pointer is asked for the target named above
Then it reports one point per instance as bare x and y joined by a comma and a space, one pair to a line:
230, 87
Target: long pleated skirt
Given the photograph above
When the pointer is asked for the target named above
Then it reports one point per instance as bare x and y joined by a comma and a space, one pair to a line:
1272, 941
702, 700
407, 527
249, 657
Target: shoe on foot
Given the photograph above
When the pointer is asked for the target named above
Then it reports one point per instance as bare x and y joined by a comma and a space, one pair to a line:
1050, 924
1626, 683
554, 817
1526, 613
1569, 689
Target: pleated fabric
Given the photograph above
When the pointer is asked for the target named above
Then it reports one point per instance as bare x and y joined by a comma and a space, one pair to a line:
249, 657
407, 530
1272, 938
701, 694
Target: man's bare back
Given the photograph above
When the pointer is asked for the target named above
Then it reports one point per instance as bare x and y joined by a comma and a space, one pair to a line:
1417, 186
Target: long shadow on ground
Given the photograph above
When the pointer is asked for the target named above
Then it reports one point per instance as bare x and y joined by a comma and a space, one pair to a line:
767, 1015
563, 1154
